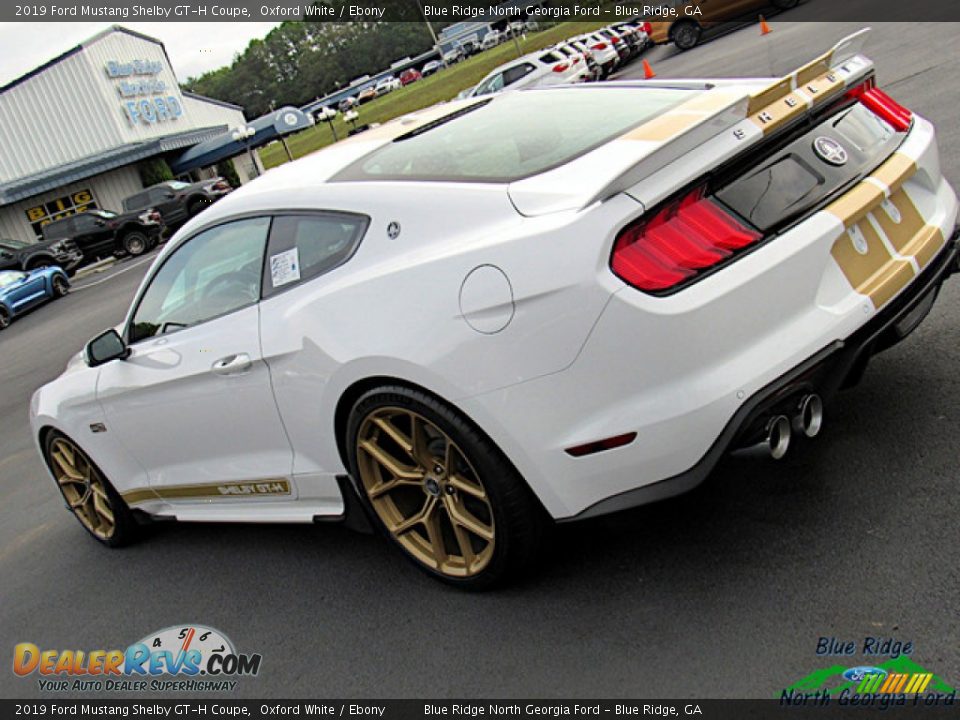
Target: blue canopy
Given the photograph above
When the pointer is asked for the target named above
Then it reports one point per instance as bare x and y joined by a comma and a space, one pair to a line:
268, 128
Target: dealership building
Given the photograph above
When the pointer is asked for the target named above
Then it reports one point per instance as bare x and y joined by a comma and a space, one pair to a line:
78, 132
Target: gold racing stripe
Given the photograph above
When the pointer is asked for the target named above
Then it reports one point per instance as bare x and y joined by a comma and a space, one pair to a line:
875, 273
895, 171
245, 489
684, 116
909, 234
855, 204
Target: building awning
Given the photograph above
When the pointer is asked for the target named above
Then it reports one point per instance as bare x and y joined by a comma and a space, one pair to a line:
56, 177
268, 128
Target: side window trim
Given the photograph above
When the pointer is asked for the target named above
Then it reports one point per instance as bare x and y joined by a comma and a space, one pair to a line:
132, 313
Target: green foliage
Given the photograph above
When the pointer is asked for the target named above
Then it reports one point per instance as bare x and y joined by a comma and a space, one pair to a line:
299, 61
153, 171
228, 172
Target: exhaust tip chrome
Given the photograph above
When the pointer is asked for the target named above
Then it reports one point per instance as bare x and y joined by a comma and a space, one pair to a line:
778, 436
809, 417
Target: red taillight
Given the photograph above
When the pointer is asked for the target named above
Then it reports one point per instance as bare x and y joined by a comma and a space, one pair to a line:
561, 67
882, 105
600, 46
648, 28
684, 238
614, 40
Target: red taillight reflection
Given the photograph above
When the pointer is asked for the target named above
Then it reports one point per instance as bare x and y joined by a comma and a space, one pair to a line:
882, 105
684, 238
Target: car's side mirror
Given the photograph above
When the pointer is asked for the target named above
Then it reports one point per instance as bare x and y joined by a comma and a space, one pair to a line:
105, 347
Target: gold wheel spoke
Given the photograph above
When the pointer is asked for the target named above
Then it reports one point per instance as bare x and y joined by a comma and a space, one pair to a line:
101, 504
395, 434
468, 487
459, 515
463, 540
417, 518
390, 463
70, 472
435, 536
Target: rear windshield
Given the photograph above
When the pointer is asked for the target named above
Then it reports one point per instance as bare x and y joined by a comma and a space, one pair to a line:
514, 136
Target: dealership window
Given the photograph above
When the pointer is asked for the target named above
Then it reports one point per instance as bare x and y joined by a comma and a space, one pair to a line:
213, 273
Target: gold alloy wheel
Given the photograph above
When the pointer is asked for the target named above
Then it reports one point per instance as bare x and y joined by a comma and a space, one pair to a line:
82, 488
425, 491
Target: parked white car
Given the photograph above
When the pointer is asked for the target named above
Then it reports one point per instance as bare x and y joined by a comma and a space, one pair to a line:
488, 315
491, 39
603, 51
540, 69
387, 84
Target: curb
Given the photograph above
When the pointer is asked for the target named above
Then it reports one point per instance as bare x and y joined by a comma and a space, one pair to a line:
94, 268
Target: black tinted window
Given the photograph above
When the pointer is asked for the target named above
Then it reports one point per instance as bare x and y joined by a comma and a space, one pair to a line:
58, 229
515, 73
305, 246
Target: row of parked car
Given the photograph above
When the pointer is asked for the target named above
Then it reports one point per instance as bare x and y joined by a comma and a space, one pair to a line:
464, 48
582, 58
33, 272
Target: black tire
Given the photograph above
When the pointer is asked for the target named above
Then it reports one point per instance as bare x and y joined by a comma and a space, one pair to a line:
196, 206
685, 34
60, 286
135, 243
518, 519
4, 319
125, 528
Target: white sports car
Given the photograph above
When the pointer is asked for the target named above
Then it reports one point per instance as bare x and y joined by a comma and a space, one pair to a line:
545, 305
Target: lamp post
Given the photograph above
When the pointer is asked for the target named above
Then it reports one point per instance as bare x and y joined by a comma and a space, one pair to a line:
243, 134
351, 117
328, 115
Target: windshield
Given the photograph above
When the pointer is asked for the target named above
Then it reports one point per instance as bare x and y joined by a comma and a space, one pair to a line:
517, 135
105, 214
9, 277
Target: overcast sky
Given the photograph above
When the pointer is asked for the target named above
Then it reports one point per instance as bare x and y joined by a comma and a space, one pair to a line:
194, 48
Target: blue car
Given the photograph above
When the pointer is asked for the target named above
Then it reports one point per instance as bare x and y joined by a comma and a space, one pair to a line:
20, 291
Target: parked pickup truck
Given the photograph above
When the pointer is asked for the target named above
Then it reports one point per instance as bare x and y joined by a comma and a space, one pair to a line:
102, 233
178, 201
27, 256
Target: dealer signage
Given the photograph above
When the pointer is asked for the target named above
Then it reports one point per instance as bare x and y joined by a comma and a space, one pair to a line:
76, 202
145, 97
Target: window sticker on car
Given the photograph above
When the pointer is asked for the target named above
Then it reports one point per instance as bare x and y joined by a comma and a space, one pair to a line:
285, 267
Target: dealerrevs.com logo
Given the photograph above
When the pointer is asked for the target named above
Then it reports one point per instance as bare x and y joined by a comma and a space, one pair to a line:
185, 658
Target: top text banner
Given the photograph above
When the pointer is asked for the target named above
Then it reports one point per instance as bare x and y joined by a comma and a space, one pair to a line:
451, 11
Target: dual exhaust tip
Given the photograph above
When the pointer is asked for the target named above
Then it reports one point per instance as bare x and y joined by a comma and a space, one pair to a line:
808, 420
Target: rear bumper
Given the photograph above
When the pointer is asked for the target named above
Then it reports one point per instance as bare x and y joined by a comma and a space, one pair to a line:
838, 365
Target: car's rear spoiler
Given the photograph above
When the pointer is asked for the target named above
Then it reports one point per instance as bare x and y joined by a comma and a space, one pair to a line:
734, 114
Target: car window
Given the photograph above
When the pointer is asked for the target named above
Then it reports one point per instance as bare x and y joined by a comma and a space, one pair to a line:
516, 135
136, 201
9, 277
305, 246
211, 274
158, 194
490, 85
517, 72
58, 228
84, 223
177, 185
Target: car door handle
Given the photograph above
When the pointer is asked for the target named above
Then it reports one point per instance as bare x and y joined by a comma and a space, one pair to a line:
232, 364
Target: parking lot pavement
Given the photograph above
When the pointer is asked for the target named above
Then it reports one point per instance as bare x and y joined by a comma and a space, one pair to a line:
723, 592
